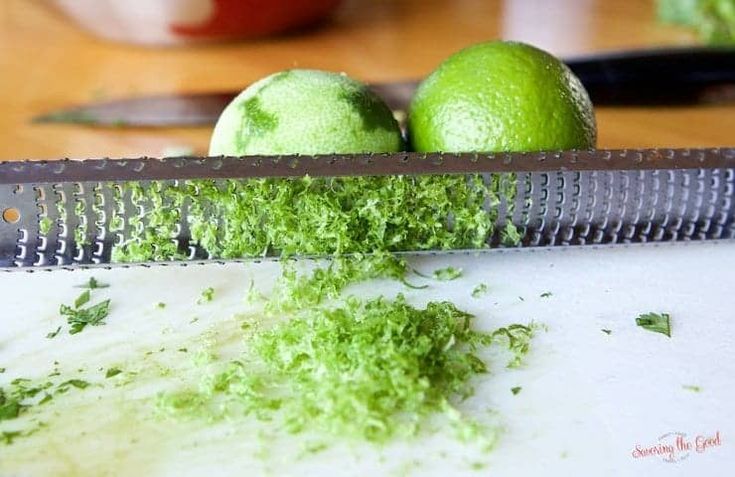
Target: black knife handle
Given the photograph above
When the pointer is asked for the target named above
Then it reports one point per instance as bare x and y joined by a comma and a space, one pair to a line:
658, 77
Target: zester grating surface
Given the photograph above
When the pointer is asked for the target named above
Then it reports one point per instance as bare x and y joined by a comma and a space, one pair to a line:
66, 208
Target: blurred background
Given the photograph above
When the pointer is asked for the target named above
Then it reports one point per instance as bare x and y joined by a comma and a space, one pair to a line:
55, 54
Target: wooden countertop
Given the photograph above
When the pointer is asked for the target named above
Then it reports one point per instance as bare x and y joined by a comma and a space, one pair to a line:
46, 63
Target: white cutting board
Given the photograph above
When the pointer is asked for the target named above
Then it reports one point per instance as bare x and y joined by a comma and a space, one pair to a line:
587, 399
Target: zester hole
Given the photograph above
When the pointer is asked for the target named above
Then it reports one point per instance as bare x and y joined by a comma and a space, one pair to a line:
11, 215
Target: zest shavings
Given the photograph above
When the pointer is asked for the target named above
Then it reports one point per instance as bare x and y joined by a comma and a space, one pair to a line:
655, 322
370, 369
206, 296
447, 274
294, 291
316, 216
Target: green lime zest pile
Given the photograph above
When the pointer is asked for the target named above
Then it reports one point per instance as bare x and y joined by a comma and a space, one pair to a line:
713, 20
370, 369
314, 216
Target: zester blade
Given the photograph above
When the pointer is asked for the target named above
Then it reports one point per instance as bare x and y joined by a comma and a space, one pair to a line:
72, 213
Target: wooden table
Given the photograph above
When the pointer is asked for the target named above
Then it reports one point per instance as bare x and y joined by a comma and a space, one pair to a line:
46, 63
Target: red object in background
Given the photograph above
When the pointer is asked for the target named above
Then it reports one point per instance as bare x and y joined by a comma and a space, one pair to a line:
254, 18
172, 22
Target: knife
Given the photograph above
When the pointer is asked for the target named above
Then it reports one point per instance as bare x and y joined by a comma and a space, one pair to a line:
72, 213
643, 77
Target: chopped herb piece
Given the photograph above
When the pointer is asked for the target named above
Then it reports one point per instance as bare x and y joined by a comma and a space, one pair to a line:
521, 298
479, 290
160, 305
515, 390
545, 295
10, 407
606, 331
80, 318
478, 465
2, 370
691, 387
93, 284
82, 299
207, 295
656, 322
53, 334
45, 399
447, 274
7, 437
112, 372
182, 350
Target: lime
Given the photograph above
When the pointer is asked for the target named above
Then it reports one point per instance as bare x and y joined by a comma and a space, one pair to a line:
305, 112
501, 96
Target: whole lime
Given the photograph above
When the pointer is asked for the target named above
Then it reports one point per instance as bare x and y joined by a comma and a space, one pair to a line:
501, 96
305, 112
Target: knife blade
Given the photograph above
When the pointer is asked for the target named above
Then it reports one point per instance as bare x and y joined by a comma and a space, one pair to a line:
643, 77
72, 213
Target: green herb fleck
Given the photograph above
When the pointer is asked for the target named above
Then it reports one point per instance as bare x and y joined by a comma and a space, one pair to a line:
52, 334
691, 387
606, 331
82, 299
160, 305
111, 372
656, 322
479, 290
93, 284
515, 390
478, 466
8, 437
10, 406
521, 298
77, 383
447, 274
206, 296
182, 350
545, 295
2, 370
